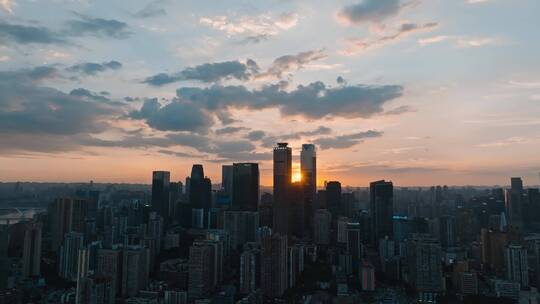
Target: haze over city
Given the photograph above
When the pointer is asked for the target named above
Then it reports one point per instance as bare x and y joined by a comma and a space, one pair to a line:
420, 92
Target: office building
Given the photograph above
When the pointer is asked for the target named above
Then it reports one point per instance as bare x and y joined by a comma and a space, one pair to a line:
333, 199
381, 209
227, 179
321, 229
282, 185
514, 203
161, 183
95, 289
200, 192
245, 190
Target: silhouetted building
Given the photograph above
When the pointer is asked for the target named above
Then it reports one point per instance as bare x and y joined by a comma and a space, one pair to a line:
514, 203
250, 270
200, 192
424, 262
274, 265
282, 185
308, 171
109, 264
161, 192
69, 256
381, 209
32, 249
227, 179
135, 270
322, 224
333, 198
245, 191
517, 267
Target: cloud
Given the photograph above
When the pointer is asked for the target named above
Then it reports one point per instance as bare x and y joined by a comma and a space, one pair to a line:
270, 141
98, 27
152, 9
230, 130
175, 116
91, 68
28, 109
7, 5
399, 110
256, 135
475, 42
345, 141
358, 45
432, 40
24, 34
288, 63
208, 72
475, 1
220, 71
369, 11
313, 101
512, 141
253, 26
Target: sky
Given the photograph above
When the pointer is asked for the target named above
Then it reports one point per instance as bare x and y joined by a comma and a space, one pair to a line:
420, 92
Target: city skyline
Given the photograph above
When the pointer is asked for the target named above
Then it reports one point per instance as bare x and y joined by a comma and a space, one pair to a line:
416, 92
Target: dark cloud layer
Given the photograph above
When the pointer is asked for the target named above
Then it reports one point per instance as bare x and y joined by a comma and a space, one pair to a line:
370, 11
83, 26
345, 141
216, 72
174, 116
313, 101
208, 72
27, 107
92, 68
98, 27
230, 130
25, 34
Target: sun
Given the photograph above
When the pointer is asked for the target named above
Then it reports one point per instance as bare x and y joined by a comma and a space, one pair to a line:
296, 177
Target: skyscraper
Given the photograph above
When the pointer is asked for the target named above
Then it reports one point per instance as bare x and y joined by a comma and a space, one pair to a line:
245, 191
161, 181
308, 171
200, 191
424, 260
381, 209
135, 270
66, 215
308, 168
333, 198
516, 264
282, 185
227, 179
201, 270
69, 256
321, 227
32, 249
514, 203
109, 263
274, 265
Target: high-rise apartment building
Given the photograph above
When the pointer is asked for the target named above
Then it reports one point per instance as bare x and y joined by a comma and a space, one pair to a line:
32, 249
516, 264
69, 256
274, 265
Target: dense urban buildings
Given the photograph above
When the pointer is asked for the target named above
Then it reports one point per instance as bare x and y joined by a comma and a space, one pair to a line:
242, 242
